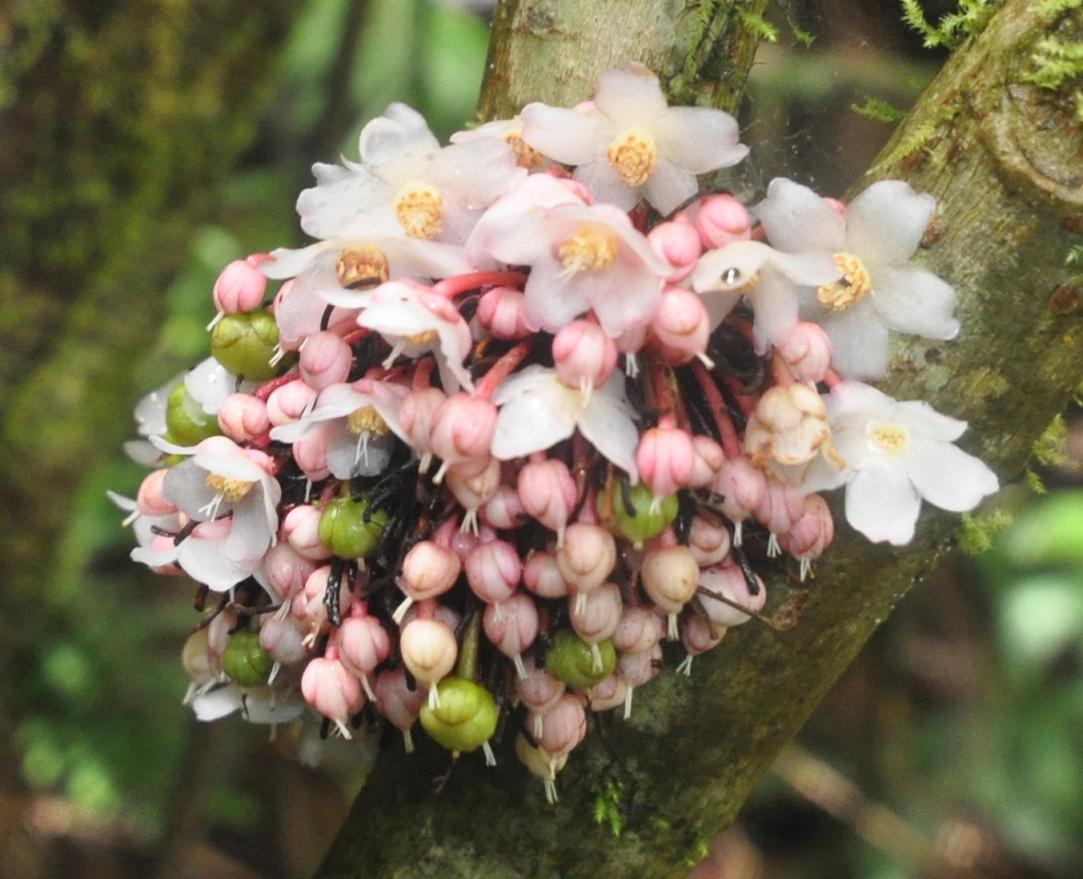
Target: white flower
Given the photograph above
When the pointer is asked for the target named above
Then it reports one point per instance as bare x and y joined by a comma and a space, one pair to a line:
581, 258
896, 454
537, 411
257, 704
630, 143
510, 131
768, 278
415, 321
404, 174
872, 243
209, 383
362, 421
150, 421
221, 478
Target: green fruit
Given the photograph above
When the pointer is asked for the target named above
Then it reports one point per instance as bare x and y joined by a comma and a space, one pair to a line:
245, 343
647, 520
185, 419
571, 660
245, 661
466, 718
343, 528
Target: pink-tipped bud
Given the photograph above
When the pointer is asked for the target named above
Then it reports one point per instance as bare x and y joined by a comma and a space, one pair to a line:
837, 206
503, 510
608, 694
288, 402
780, 508
416, 416
219, 629
325, 360
729, 581
430, 609
501, 311
150, 501
286, 569
666, 458
310, 453
709, 461
301, 529
563, 726
670, 577
539, 690
474, 487
239, 288
429, 570
331, 690
309, 606
789, 426
638, 667
512, 626
587, 557
699, 635
547, 492
595, 615
362, 642
493, 570
721, 220
807, 351
395, 700
243, 417
583, 354
429, 650
541, 575
639, 629
283, 639
742, 487
462, 429
678, 243
812, 532
708, 541
681, 326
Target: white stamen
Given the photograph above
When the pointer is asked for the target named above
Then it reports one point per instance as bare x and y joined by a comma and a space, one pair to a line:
368, 688
215, 320
595, 658
628, 702
490, 757
342, 729
434, 699
131, 517
705, 360
672, 632
685, 667
773, 549
520, 668
408, 741
400, 611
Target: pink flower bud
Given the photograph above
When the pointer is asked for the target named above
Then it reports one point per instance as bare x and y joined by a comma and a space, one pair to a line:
493, 570
430, 609
563, 726
239, 288
587, 557
397, 702
150, 501
729, 581
288, 402
286, 569
301, 529
807, 351
331, 690
779, 509
721, 220
512, 626
283, 639
742, 487
416, 416
362, 643
595, 615
608, 694
501, 312
638, 629
429, 570
708, 541
681, 326
163, 543
670, 577
541, 575
309, 606
243, 417
547, 492
709, 461
699, 635
325, 360
429, 651
539, 690
811, 533
678, 243
219, 629
665, 458
462, 429
473, 488
583, 354
638, 667
503, 510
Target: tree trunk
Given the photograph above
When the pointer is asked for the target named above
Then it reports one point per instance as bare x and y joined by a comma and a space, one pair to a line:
1002, 155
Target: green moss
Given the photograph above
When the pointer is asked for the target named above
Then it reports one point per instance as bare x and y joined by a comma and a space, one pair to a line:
978, 531
607, 807
878, 110
970, 17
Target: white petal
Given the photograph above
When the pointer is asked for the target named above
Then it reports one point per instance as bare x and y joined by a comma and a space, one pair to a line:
924, 420
566, 135
325, 208
731, 267
552, 298
250, 533
886, 222
205, 561
807, 269
859, 341
607, 424
142, 452
913, 300
476, 173
699, 139
264, 705
154, 558
948, 477
882, 504
285, 263
395, 143
718, 305
669, 186
185, 486
150, 411
535, 415
125, 503
222, 456
218, 703
606, 185
418, 258
797, 219
630, 96
774, 304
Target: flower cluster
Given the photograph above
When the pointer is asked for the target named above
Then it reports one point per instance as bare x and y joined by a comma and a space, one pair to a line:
516, 430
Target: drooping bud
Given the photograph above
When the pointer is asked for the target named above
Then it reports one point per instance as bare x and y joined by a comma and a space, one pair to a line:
287, 569
807, 351
583, 354
398, 703
572, 660
665, 459
429, 650
587, 557
721, 220
288, 402
681, 326
245, 343
473, 488
708, 541
709, 461
595, 615
541, 765
670, 577
512, 626
283, 640
563, 726
547, 492
501, 311
325, 360
310, 453
150, 501
493, 570
332, 691
243, 417
363, 643
810, 534
742, 487
350, 528
419, 407
301, 530
729, 581
541, 575
639, 629
462, 429
240, 287
678, 243
503, 510
538, 690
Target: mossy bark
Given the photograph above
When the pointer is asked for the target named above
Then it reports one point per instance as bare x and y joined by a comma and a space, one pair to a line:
1003, 158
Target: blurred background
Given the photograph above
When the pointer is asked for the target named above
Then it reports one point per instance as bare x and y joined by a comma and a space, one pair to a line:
149, 143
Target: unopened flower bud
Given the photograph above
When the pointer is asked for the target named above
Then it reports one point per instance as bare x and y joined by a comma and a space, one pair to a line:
310, 607
200, 662
681, 326
678, 243
638, 667
779, 509
493, 570
583, 354
332, 691
501, 311
283, 639
511, 626
287, 569
547, 492
245, 661
587, 557
429, 650
789, 426
729, 581
541, 575
245, 343
239, 288
595, 615
742, 487
462, 429
639, 629
811, 533
575, 662
350, 528
807, 351
429, 570
538, 690
419, 407
670, 577
721, 220
665, 459
709, 461
288, 402
563, 726
503, 510
301, 530
363, 643
310, 453
325, 360
243, 417
150, 501
708, 541
473, 487
608, 694
398, 703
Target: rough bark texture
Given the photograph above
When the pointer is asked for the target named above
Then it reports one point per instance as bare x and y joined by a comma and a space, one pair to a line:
1003, 158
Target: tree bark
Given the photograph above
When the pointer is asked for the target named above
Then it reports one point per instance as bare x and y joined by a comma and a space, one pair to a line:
1003, 158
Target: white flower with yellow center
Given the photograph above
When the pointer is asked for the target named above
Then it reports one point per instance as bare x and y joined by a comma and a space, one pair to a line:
537, 411
432, 193
895, 455
511, 132
361, 421
629, 143
872, 244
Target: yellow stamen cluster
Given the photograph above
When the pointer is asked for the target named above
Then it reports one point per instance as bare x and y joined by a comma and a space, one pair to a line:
592, 248
232, 490
366, 419
891, 438
362, 266
425, 337
419, 208
526, 156
633, 155
854, 285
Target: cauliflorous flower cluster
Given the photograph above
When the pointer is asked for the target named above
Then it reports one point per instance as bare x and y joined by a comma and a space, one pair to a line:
514, 433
